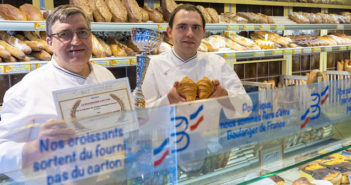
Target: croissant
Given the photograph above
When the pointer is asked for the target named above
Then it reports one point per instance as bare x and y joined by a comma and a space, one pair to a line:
187, 88
205, 88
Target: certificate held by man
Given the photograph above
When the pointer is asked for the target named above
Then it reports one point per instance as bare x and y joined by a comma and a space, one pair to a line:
93, 100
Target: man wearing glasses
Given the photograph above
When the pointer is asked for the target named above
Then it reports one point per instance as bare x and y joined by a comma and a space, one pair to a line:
186, 28
30, 101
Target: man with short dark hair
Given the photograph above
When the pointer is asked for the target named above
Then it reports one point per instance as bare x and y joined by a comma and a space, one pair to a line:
186, 29
28, 113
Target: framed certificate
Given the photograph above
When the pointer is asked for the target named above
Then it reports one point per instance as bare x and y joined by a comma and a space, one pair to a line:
94, 100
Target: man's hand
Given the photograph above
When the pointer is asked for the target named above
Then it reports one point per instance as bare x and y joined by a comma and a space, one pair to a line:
173, 95
54, 131
219, 91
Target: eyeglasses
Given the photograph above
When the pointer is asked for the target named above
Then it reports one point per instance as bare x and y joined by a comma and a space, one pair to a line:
68, 35
184, 28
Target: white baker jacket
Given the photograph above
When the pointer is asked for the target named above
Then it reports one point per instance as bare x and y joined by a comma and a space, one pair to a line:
167, 68
31, 101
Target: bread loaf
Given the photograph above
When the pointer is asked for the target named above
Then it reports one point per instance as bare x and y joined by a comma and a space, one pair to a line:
129, 51
15, 42
6, 55
41, 55
104, 10
13, 50
118, 10
34, 45
84, 4
98, 49
133, 9
168, 7
106, 47
96, 13
32, 13
214, 15
131, 45
21, 37
154, 15
10, 12
145, 15
207, 17
32, 36
10, 59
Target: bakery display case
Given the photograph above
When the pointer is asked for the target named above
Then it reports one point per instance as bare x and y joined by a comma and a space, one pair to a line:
288, 151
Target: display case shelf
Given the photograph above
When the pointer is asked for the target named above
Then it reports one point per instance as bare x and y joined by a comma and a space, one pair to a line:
124, 27
26, 67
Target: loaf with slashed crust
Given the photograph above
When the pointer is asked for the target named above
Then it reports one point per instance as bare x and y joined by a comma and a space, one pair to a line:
32, 13
168, 7
10, 12
154, 15
118, 10
133, 9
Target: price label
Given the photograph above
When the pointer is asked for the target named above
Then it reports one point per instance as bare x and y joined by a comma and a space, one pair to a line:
279, 27
17, 68
328, 49
2, 69
348, 47
120, 62
258, 53
228, 61
296, 51
133, 62
340, 27
288, 52
105, 63
233, 28
277, 52
161, 27
39, 26
229, 55
265, 27
342, 48
248, 27
37, 65
307, 50
316, 50
271, 158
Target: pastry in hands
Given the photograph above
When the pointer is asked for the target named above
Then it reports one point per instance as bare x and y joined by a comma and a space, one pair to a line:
205, 87
187, 88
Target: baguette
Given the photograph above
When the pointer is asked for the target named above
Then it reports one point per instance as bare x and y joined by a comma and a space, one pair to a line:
10, 59
207, 17
34, 37
32, 13
41, 55
129, 51
34, 45
96, 13
106, 47
6, 55
118, 10
13, 50
15, 42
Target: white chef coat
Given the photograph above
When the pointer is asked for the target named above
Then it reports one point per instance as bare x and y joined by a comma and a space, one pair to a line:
168, 67
31, 101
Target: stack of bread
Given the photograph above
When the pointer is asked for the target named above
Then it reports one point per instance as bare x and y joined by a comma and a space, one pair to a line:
118, 11
229, 17
256, 17
320, 18
110, 47
243, 41
344, 65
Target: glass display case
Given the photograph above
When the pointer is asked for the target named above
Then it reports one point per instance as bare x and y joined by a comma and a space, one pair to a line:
232, 140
